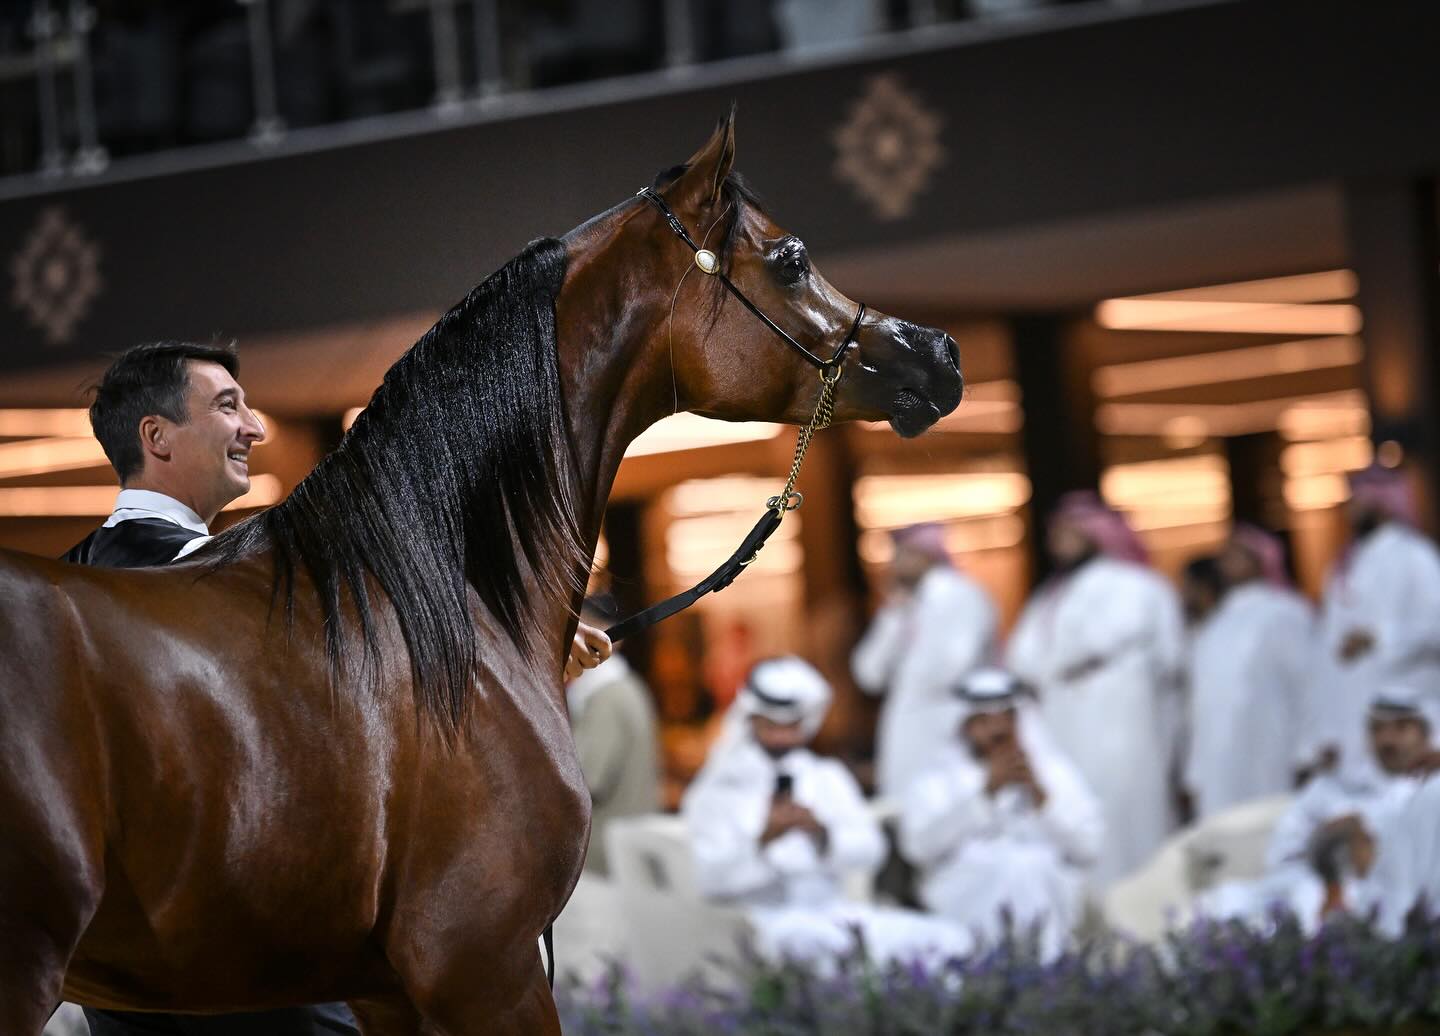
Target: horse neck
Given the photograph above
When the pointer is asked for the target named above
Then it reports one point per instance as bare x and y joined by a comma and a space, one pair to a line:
615, 383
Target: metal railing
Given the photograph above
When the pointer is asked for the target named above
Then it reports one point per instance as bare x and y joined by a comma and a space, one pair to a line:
380, 56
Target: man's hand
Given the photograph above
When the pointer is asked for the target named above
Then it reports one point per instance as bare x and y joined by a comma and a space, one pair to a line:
1082, 669
1429, 763
1011, 767
788, 815
1031, 783
1357, 643
589, 648
1352, 832
1005, 767
1327, 760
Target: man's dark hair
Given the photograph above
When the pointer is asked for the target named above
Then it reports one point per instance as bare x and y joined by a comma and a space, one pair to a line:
149, 379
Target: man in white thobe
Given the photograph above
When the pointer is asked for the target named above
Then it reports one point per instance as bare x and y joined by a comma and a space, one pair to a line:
612, 716
1102, 640
774, 828
937, 624
1324, 849
1379, 617
1407, 872
1248, 673
1003, 827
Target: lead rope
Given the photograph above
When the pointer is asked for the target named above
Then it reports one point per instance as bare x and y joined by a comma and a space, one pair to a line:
776, 508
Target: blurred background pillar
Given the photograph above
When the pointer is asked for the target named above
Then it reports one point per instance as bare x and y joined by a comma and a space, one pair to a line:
629, 579
834, 584
1256, 492
1053, 365
1394, 252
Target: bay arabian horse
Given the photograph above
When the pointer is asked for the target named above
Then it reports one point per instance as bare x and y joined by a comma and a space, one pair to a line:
328, 758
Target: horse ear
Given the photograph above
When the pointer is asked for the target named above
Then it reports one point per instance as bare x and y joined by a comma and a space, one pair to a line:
707, 169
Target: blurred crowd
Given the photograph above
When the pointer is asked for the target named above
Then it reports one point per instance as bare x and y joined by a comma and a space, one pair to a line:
1016, 781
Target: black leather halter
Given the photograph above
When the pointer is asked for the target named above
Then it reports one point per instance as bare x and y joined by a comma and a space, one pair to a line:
777, 506
826, 367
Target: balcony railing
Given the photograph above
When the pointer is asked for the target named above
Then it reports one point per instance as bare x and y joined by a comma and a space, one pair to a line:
85, 82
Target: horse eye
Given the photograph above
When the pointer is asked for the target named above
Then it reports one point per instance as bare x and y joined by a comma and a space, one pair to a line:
792, 266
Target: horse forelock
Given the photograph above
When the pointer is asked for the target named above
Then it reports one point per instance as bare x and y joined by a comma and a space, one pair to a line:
456, 476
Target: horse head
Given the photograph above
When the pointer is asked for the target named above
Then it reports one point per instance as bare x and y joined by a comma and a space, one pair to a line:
726, 362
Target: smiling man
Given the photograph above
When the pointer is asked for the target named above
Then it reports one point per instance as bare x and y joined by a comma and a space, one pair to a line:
173, 421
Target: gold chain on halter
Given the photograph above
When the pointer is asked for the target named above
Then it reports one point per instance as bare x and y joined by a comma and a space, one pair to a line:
788, 499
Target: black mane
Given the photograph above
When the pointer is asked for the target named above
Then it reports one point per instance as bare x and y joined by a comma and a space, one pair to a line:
458, 471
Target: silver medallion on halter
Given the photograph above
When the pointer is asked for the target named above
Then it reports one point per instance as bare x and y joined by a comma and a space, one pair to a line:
705, 259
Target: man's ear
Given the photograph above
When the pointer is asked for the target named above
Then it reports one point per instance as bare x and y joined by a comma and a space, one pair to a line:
699, 186
155, 437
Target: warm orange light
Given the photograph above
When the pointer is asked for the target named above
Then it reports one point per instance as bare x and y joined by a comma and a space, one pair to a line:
1315, 492
19, 423
42, 456
1326, 457
691, 432
997, 532
893, 501
1326, 286
1333, 416
1214, 368
1169, 493
1291, 414
1147, 314
96, 501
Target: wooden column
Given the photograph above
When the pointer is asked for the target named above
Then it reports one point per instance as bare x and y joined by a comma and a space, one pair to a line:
1256, 492
834, 585
1062, 449
1394, 250
625, 536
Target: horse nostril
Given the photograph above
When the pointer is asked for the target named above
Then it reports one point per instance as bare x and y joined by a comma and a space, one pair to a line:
953, 351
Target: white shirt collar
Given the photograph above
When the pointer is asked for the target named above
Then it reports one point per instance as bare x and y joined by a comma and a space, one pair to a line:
143, 503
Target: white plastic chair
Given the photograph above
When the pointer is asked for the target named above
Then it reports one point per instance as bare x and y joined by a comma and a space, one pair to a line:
669, 931
1229, 846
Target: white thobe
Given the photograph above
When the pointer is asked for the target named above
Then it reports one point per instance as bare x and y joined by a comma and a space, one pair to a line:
914, 652
1248, 674
983, 858
1117, 723
790, 888
1289, 881
1408, 867
1390, 587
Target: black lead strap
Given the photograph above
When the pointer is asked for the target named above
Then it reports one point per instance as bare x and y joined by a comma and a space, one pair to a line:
717, 580
777, 506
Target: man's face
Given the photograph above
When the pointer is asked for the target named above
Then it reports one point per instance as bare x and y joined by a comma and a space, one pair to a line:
210, 453
777, 739
1067, 544
909, 566
990, 733
1398, 742
1237, 564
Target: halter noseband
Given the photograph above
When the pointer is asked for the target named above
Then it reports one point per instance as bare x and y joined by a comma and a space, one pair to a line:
709, 263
